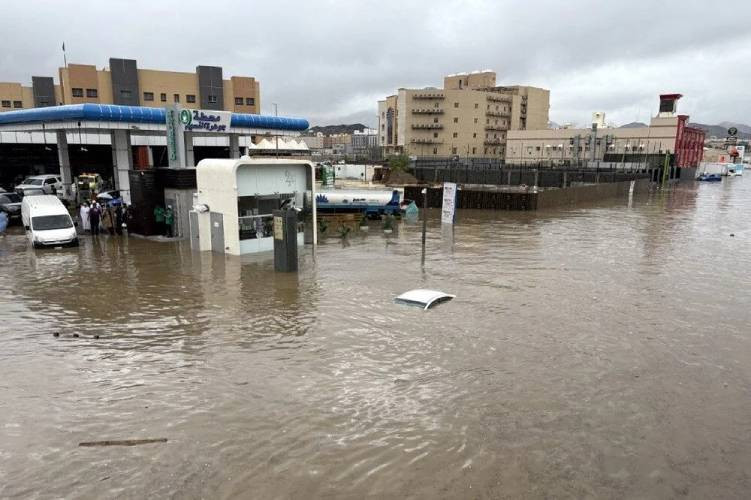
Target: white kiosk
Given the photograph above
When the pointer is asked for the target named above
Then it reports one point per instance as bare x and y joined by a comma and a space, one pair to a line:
232, 210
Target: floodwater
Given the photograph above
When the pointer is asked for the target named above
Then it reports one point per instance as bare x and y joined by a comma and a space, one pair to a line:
599, 351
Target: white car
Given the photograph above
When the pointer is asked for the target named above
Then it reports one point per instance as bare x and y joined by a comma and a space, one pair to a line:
47, 222
40, 184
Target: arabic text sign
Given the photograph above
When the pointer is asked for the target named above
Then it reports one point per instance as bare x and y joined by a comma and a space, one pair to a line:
448, 209
200, 120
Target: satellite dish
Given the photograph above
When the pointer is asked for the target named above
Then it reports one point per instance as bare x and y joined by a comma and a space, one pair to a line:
732, 131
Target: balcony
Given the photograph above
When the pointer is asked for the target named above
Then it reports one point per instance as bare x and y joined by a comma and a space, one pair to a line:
426, 126
428, 95
493, 142
496, 127
498, 98
428, 111
426, 141
501, 114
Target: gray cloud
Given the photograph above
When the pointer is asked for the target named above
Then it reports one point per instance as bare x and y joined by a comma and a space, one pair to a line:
331, 60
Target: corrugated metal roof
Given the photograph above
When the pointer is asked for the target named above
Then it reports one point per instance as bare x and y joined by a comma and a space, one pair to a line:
137, 114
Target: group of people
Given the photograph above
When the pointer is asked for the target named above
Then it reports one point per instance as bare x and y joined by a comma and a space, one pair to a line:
165, 220
98, 217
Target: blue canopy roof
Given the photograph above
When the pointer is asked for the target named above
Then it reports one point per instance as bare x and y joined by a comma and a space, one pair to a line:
137, 114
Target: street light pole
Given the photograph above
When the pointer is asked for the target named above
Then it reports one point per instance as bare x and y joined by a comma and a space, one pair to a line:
276, 113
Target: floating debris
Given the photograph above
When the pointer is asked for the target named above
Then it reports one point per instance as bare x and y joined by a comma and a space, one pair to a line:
124, 442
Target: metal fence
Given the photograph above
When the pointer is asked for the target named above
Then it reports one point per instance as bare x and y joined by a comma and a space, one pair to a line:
531, 175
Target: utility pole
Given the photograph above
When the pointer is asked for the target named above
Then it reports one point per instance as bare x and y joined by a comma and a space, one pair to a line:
594, 141
277, 134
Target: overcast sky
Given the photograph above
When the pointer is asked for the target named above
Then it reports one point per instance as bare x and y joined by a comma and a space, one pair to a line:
330, 60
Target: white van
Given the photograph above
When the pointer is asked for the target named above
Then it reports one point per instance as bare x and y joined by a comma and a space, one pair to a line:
47, 222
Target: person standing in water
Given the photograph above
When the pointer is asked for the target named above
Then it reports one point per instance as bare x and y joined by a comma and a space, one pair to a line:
169, 221
84, 217
159, 219
3, 222
94, 215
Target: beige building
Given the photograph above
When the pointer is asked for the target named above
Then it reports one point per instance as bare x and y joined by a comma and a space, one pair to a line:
469, 117
124, 83
667, 132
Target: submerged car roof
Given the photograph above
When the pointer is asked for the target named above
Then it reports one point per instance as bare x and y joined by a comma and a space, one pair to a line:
423, 298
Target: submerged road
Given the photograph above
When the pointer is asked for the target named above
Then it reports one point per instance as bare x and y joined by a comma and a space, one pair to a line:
599, 351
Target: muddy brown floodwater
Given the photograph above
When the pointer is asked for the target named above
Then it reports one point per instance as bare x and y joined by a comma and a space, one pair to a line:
600, 351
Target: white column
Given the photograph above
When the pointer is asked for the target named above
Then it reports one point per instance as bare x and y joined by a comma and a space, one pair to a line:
190, 159
234, 146
123, 159
150, 153
64, 160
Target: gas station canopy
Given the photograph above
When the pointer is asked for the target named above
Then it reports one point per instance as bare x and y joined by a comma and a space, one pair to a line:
140, 118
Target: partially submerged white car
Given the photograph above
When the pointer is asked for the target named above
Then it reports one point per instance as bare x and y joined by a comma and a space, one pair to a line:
47, 222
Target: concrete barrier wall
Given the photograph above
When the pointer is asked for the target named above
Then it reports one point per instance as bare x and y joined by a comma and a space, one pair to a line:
588, 193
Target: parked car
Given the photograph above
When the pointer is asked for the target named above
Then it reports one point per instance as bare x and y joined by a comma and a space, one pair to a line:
40, 184
47, 222
10, 203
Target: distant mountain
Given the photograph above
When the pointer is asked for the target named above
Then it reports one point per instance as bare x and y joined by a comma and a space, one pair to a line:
721, 130
633, 125
336, 129
743, 128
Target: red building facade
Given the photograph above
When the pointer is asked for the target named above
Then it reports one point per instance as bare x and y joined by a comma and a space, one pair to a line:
689, 144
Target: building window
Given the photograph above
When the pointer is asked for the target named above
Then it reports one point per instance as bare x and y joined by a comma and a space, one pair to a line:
435, 120
456, 135
191, 98
92, 93
148, 96
239, 101
456, 104
250, 101
44, 103
473, 150
475, 120
176, 97
126, 94
453, 151
435, 135
77, 92
477, 105
18, 104
474, 135
5, 104
456, 120
435, 151
212, 99
435, 105
163, 97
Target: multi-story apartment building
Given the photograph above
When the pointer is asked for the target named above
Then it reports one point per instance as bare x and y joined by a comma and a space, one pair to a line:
468, 117
124, 83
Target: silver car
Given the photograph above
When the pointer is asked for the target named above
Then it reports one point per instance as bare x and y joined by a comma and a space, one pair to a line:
40, 184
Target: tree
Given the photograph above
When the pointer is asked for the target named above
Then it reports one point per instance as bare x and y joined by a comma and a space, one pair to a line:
399, 163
